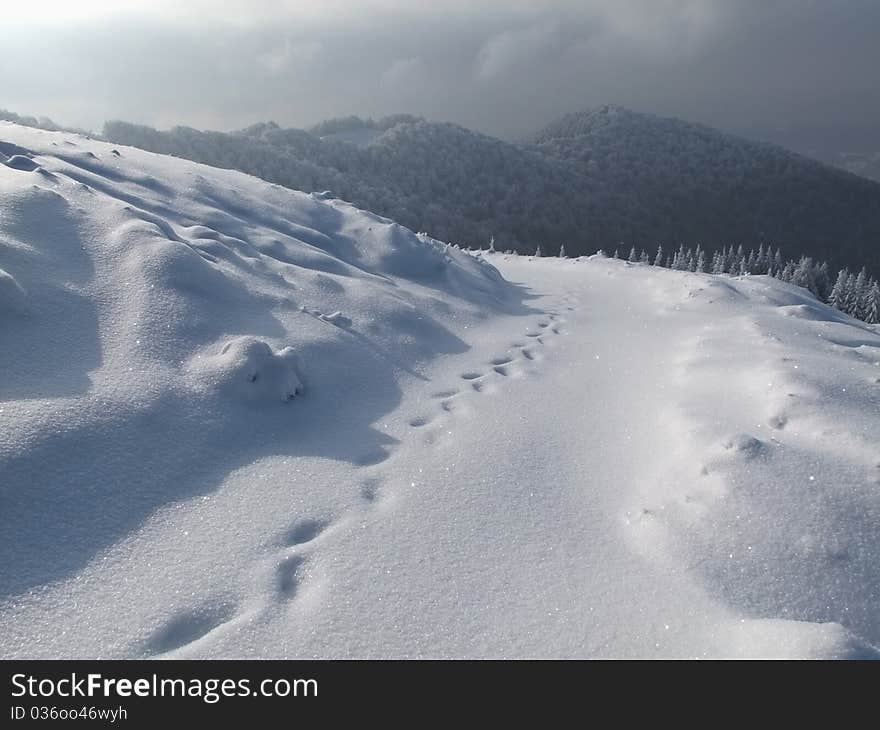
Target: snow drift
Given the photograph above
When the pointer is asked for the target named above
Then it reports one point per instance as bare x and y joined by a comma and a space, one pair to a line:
163, 323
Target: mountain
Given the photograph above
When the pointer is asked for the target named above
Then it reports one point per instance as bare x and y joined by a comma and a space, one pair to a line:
677, 181
855, 148
604, 178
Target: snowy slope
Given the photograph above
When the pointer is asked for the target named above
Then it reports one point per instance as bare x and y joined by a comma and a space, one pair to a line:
241, 421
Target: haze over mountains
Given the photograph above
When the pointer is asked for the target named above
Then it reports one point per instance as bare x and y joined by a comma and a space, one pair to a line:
853, 147
604, 178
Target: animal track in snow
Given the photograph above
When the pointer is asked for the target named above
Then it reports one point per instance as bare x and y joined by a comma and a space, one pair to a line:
778, 421
370, 489
419, 421
372, 458
445, 394
288, 575
188, 626
471, 375
747, 445
504, 360
304, 530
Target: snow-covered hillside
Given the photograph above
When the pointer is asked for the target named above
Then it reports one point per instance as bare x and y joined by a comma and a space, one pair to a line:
237, 420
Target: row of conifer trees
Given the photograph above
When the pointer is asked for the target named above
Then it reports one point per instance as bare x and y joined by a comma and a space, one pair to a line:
856, 294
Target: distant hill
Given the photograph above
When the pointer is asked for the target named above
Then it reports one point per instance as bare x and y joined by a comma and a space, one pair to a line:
676, 180
852, 147
604, 178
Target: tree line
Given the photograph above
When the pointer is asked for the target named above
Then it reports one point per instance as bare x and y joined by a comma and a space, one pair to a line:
855, 294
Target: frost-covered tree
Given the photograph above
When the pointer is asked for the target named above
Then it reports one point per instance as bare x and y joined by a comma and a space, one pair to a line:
872, 307
803, 274
633, 255
658, 259
860, 295
839, 294
762, 262
562, 252
851, 304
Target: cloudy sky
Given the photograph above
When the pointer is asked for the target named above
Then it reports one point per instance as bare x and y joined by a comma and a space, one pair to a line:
504, 67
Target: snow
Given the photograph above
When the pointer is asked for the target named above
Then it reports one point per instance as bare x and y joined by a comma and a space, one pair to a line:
242, 421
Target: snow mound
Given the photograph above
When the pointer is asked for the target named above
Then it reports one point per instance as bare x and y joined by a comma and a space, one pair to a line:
21, 162
248, 369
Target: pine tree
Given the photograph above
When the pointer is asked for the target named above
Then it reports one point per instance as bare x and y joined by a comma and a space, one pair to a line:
680, 262
643, 259
822, 278
750, 262
633, 256
730, 262
700, 265
492, 244
562, 252
658, 259
690, 263
762, 262
851, 300
803, 274
860, 295
539, 251
872, 308
837, 298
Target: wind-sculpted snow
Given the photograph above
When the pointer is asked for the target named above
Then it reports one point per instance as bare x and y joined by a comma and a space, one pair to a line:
164, 323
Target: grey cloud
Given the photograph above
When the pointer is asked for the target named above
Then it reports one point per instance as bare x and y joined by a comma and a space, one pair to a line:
502, 67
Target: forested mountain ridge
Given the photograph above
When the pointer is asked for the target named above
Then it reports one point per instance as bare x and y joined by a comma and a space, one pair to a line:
689, 182
604, 178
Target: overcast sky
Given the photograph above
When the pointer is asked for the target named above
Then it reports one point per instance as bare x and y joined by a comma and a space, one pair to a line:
503, 67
